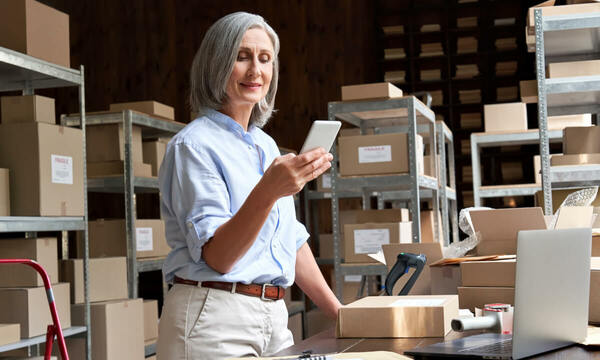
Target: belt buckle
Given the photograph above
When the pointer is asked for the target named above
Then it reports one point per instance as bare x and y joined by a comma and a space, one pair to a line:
262, 294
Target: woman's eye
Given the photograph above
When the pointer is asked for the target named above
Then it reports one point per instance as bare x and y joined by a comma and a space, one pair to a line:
265, 59
242, 56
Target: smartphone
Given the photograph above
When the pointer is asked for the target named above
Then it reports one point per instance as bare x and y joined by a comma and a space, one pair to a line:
322, 133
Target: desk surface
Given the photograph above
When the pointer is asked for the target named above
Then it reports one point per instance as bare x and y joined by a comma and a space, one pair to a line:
326, 342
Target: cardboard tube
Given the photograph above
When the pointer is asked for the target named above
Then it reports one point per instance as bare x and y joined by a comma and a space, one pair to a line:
476, 323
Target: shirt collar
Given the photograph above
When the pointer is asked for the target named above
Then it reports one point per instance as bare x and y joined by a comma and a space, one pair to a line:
231, 124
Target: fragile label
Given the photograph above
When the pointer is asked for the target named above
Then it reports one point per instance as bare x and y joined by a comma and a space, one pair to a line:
372, 154
369, 241
326, 181
143, 239
62, 169
418, 302
352, 278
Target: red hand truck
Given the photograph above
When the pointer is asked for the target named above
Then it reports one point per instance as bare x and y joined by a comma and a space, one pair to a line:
53, 329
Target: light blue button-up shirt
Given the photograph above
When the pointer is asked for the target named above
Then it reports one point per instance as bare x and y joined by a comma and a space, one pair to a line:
209, 169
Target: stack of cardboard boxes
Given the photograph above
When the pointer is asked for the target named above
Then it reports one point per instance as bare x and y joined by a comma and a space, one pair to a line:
431, 49
431, 74
580, 147
465, 45
469, 96
506, 68
466, 71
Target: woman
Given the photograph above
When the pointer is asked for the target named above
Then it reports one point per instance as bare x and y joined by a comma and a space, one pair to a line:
228, 207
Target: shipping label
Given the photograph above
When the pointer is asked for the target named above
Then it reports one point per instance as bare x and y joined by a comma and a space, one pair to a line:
373, 154
369, 241
353, 278
326, 181
143, 239
62, 169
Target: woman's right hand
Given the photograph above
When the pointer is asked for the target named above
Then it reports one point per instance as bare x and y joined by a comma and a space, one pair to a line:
288, 174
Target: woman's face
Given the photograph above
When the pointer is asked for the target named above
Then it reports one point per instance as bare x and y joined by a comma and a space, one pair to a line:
253, 69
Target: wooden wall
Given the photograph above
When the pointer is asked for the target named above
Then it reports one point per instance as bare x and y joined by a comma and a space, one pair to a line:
142, 49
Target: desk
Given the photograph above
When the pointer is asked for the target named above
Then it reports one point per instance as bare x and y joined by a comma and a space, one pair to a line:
326, 342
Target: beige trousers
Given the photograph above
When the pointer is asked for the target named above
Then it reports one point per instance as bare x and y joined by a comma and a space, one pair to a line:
202, 323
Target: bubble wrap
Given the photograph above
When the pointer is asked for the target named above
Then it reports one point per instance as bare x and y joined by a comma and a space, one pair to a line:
583, 197
460, 248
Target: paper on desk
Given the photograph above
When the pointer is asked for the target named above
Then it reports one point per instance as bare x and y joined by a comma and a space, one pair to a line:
593, 337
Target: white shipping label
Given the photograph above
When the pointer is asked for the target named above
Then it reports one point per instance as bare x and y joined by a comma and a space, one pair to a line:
352, 278
62, 169
326, 181
418, 302
369, 241
372, 154
143, 239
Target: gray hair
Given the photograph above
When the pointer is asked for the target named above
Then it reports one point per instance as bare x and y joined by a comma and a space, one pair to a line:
214, 61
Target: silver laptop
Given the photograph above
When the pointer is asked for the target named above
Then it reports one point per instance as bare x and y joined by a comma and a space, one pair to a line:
552, 292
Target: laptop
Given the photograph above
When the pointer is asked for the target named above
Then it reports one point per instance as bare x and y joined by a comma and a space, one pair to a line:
552, 289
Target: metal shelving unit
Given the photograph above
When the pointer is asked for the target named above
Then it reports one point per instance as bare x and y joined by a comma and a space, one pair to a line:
565, 38
20, 72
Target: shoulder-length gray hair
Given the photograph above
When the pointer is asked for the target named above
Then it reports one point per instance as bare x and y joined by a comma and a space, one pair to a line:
213, 64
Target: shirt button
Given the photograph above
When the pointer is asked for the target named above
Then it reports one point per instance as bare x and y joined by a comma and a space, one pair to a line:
190, 224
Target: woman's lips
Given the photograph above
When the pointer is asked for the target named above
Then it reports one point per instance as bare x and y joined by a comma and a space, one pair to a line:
253, 86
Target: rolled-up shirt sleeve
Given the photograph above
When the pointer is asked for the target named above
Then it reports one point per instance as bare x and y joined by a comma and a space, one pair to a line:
199, 198
301, 234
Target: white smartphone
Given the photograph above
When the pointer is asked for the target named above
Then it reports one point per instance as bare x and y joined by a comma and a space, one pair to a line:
322, 133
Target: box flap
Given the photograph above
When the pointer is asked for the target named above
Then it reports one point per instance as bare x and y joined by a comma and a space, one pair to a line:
505, 224
570, 217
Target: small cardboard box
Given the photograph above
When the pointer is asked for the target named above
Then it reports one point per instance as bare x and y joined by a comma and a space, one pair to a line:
363, 239
9, 333
427, 227
499, 273
46, 176
107, 143
397, 317
476, 297
563, 121
4, 192
377, 154
295, 326
427, 169
505, 117
28, 307
324, 182
574, 68
575, 159
150, 320
548, 9
42, 250
528, 89
153, 108
117, 328
581, 140
433, 252
107, 238
326, 246
100, 269
154, 152
445, 279
35, 29
372, 216
112, 168
28, 108
383, 90
499, 228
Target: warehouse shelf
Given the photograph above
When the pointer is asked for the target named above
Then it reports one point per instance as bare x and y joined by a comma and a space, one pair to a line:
116, 184
363, 269
150, 264
36, 224
295, 307
575, 176
492, 191
71, 331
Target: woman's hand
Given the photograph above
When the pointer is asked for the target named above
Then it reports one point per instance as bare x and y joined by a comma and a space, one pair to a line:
288, 174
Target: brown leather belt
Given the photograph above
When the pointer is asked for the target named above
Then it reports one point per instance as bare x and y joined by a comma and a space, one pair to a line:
264, 291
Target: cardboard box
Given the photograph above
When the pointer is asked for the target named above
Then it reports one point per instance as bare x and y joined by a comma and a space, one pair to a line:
548, 9
317, 322
499, 273
377, 154
28, 108
150, 320
384, 90
433, 252
577, 159
427, 170
107, 143
505, 117
581, 140
9, 333
372, 216
558, 196
574, 68
112, 168
35, 29
564, 121
355, 132
324, 182
117, 328
499, 228
476, 297
596, 245
42, 250
594, 310
107, 238
326, 246
445, 279
46, 176
147, 107
154, 152
4, 192
363, 239
295, 326
528, 90
29, 308
397, 316
427, 228
101, 269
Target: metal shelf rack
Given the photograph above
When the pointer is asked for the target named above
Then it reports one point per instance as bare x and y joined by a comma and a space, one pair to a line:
570, 37
20, 72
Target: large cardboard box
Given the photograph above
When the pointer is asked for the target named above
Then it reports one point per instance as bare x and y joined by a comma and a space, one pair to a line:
28, 108
499, 228
9, 333
112, 168
153, 108
500, 273
563, 121
154, 152
428, 228
295, 326
100, 269
476, 297
363, 239
117, 328
46, 168
574, 159
445, 279
107, 238
43, 250
150, 320
377, 154
550, 10
372, 216
581, 140
4, 192
505, 117
107, 143
528, 90
35, 29
29, 308
433, 252
574, 68
397, 316
383, 90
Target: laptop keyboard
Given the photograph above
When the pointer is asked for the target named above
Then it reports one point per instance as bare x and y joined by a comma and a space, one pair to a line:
501, 347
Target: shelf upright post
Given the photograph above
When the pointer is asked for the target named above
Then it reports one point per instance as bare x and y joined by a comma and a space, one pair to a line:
415, 206
441, 175
130, 213
476, 170
335, 223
